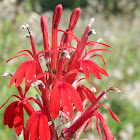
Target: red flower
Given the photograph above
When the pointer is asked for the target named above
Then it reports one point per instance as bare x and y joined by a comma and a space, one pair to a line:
93, 67
83, 90
26, 70
37, 127
13, 116
67, 94
58, 86
91, 111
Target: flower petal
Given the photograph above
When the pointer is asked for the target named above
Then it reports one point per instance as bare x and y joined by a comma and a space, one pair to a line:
30, 72
12, 116
75, 97
19, 120
16, 73
34, 132
90, 95
92, 64
8, 112
85, 68
66, 103
29, 125
97, 124
55, 101
21, 74
44, 131
106, 129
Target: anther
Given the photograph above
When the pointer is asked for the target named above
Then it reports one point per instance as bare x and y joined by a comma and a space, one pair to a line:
7, 73
27, 27
49, 123
91, 21
66, 54
99, 40
93, 89
91, 32
113, 88
38, 82
27, 36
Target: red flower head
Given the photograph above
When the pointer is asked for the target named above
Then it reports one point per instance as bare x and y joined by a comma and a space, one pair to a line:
13, 116
59, 92
37, 127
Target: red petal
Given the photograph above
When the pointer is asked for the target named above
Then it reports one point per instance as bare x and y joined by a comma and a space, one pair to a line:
74, 95
55, 101
44, 131
16, 73
20, 55
8, 112
66, 103
97, 125
21, 74
92, 64
12, 116
90, 95
106, 129
34, 132
25, 51
85, 68
19, 120
111, 113
30, 72
29, 125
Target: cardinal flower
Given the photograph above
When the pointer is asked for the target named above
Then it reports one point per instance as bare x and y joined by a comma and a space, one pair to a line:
37, 127
67, 94
61, 95
13, 116
93, 67
91, 111
26, 70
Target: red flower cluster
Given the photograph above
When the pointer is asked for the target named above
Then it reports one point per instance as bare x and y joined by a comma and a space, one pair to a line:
59, 89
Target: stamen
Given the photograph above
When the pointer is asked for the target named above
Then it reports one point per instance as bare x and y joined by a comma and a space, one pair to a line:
66, 54
27, 36
91, 21
49, 123
91, 32
7, 73
99, 40
38, 82
105, 97
27, 27
93, 89
111, 88
114, 88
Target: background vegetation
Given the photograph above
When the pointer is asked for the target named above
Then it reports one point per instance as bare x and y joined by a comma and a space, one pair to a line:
116, 22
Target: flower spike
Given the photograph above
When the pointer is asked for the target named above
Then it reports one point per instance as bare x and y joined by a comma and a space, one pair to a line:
60, 92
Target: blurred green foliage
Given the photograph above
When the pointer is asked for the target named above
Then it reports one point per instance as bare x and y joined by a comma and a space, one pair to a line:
50, 4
